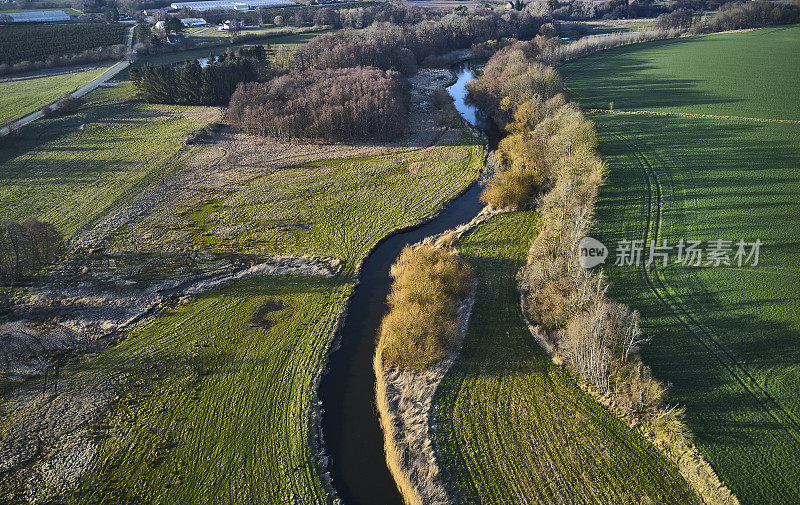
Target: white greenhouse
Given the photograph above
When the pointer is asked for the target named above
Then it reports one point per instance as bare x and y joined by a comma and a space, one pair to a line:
238, 5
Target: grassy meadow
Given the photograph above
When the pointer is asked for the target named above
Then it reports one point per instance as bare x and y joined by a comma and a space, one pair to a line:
216, 404
19, 98
72, 170
512, 427
337, 207
217, 408
726, 338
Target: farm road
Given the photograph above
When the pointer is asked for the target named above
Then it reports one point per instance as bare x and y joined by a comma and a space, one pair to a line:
108, 74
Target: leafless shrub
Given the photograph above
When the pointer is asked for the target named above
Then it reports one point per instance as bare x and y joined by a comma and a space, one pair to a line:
420, 327
68, 104
26, 247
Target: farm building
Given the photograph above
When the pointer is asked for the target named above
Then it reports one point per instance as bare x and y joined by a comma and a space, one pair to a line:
230, 24
239, 5
36, 16
189, 22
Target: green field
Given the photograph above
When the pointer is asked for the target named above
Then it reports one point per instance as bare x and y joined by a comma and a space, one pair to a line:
335, 208
216, 410
267, 31
512, 427
288, 42
19, 98
750, 74
72, 170
726, 338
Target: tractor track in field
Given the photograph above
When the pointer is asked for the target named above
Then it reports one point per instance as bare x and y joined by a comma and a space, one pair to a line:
657, 285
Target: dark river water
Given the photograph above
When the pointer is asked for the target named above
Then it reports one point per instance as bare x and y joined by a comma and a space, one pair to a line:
352, 434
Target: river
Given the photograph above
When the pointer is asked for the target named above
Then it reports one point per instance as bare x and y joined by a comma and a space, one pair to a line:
352, 434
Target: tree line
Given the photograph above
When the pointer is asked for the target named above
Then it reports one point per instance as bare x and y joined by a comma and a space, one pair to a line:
193, 84
346, 104
549, 159
739, 15
401, 46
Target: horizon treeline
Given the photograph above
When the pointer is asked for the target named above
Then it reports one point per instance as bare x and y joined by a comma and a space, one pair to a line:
346, 104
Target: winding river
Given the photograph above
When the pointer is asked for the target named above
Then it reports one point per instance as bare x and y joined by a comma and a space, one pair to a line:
352, 434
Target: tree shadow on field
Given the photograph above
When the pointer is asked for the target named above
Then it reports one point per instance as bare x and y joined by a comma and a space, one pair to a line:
103, 115
729, 180
613, 76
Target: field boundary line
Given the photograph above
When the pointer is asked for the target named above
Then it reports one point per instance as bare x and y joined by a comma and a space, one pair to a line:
768, 401
688, 114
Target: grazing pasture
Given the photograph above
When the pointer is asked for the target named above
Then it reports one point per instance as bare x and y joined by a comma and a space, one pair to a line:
512, 427
726, 338
37, 42
21, 97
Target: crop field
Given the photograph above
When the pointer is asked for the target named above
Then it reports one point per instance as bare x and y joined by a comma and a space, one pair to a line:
18, 98
35, 42
750, 74
72, 170
512, 427
336, 208
218, 405
726, 338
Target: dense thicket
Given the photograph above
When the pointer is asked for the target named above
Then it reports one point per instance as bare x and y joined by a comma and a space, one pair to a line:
38, 42
195, 85
348, 104
26, 247
402, 46
738, 15
513, 76
421, 326
679, 19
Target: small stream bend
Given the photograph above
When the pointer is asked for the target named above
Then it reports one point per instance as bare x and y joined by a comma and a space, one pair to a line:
353, 438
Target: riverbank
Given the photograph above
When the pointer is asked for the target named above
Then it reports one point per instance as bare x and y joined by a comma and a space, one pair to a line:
512, 427
352, 436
